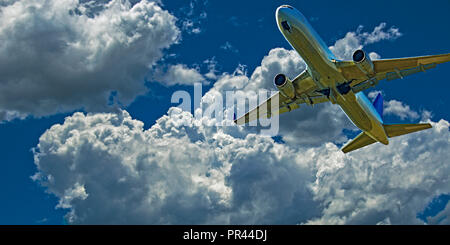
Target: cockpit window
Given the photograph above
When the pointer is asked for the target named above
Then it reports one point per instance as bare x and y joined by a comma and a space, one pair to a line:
286, 26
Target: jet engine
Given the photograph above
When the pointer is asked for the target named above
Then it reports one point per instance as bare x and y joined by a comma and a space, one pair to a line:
363, 62
284, 85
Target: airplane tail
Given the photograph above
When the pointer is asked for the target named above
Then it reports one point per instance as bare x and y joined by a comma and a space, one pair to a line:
378, 104
392, 130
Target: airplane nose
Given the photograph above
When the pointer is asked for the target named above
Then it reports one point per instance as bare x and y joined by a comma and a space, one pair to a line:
288, 17
282, 10
282, 16
286, 6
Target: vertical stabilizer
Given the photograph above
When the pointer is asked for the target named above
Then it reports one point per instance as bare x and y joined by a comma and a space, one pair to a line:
378, 104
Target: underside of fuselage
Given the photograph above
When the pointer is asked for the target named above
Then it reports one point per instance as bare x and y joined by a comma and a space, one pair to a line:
321, 65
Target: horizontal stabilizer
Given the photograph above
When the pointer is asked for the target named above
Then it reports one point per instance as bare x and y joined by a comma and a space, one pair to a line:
393, 130
360, 141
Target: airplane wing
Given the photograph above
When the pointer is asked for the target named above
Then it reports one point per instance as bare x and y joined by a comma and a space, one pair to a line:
306, 93
390, 69
358, 142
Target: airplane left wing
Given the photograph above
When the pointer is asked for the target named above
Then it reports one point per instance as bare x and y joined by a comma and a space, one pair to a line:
358, 142
262, 110
278, 103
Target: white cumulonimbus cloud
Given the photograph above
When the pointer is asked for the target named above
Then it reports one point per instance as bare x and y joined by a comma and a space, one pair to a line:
105, 168
62, 55
398, 108
344, 48
179, 74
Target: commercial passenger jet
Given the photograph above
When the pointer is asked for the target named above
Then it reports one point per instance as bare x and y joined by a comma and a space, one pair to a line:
340, 82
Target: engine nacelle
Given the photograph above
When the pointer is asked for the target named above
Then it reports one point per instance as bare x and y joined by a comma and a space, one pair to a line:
363, 62
285, 86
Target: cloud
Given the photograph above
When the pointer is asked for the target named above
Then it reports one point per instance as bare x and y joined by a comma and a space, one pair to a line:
77, 192
373, 94
379, 34
194, 16
344, 48
188, 26
105, 168
398, 108
11, 115
381, 182
180, 74
58, 56
212, 68
228, 47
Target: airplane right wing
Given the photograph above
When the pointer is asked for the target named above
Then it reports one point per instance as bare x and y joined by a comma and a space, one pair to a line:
278, 103
389, 69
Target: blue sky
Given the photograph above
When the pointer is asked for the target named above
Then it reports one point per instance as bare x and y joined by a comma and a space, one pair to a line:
249, 31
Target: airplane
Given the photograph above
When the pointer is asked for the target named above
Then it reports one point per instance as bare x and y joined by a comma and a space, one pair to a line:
341, 82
